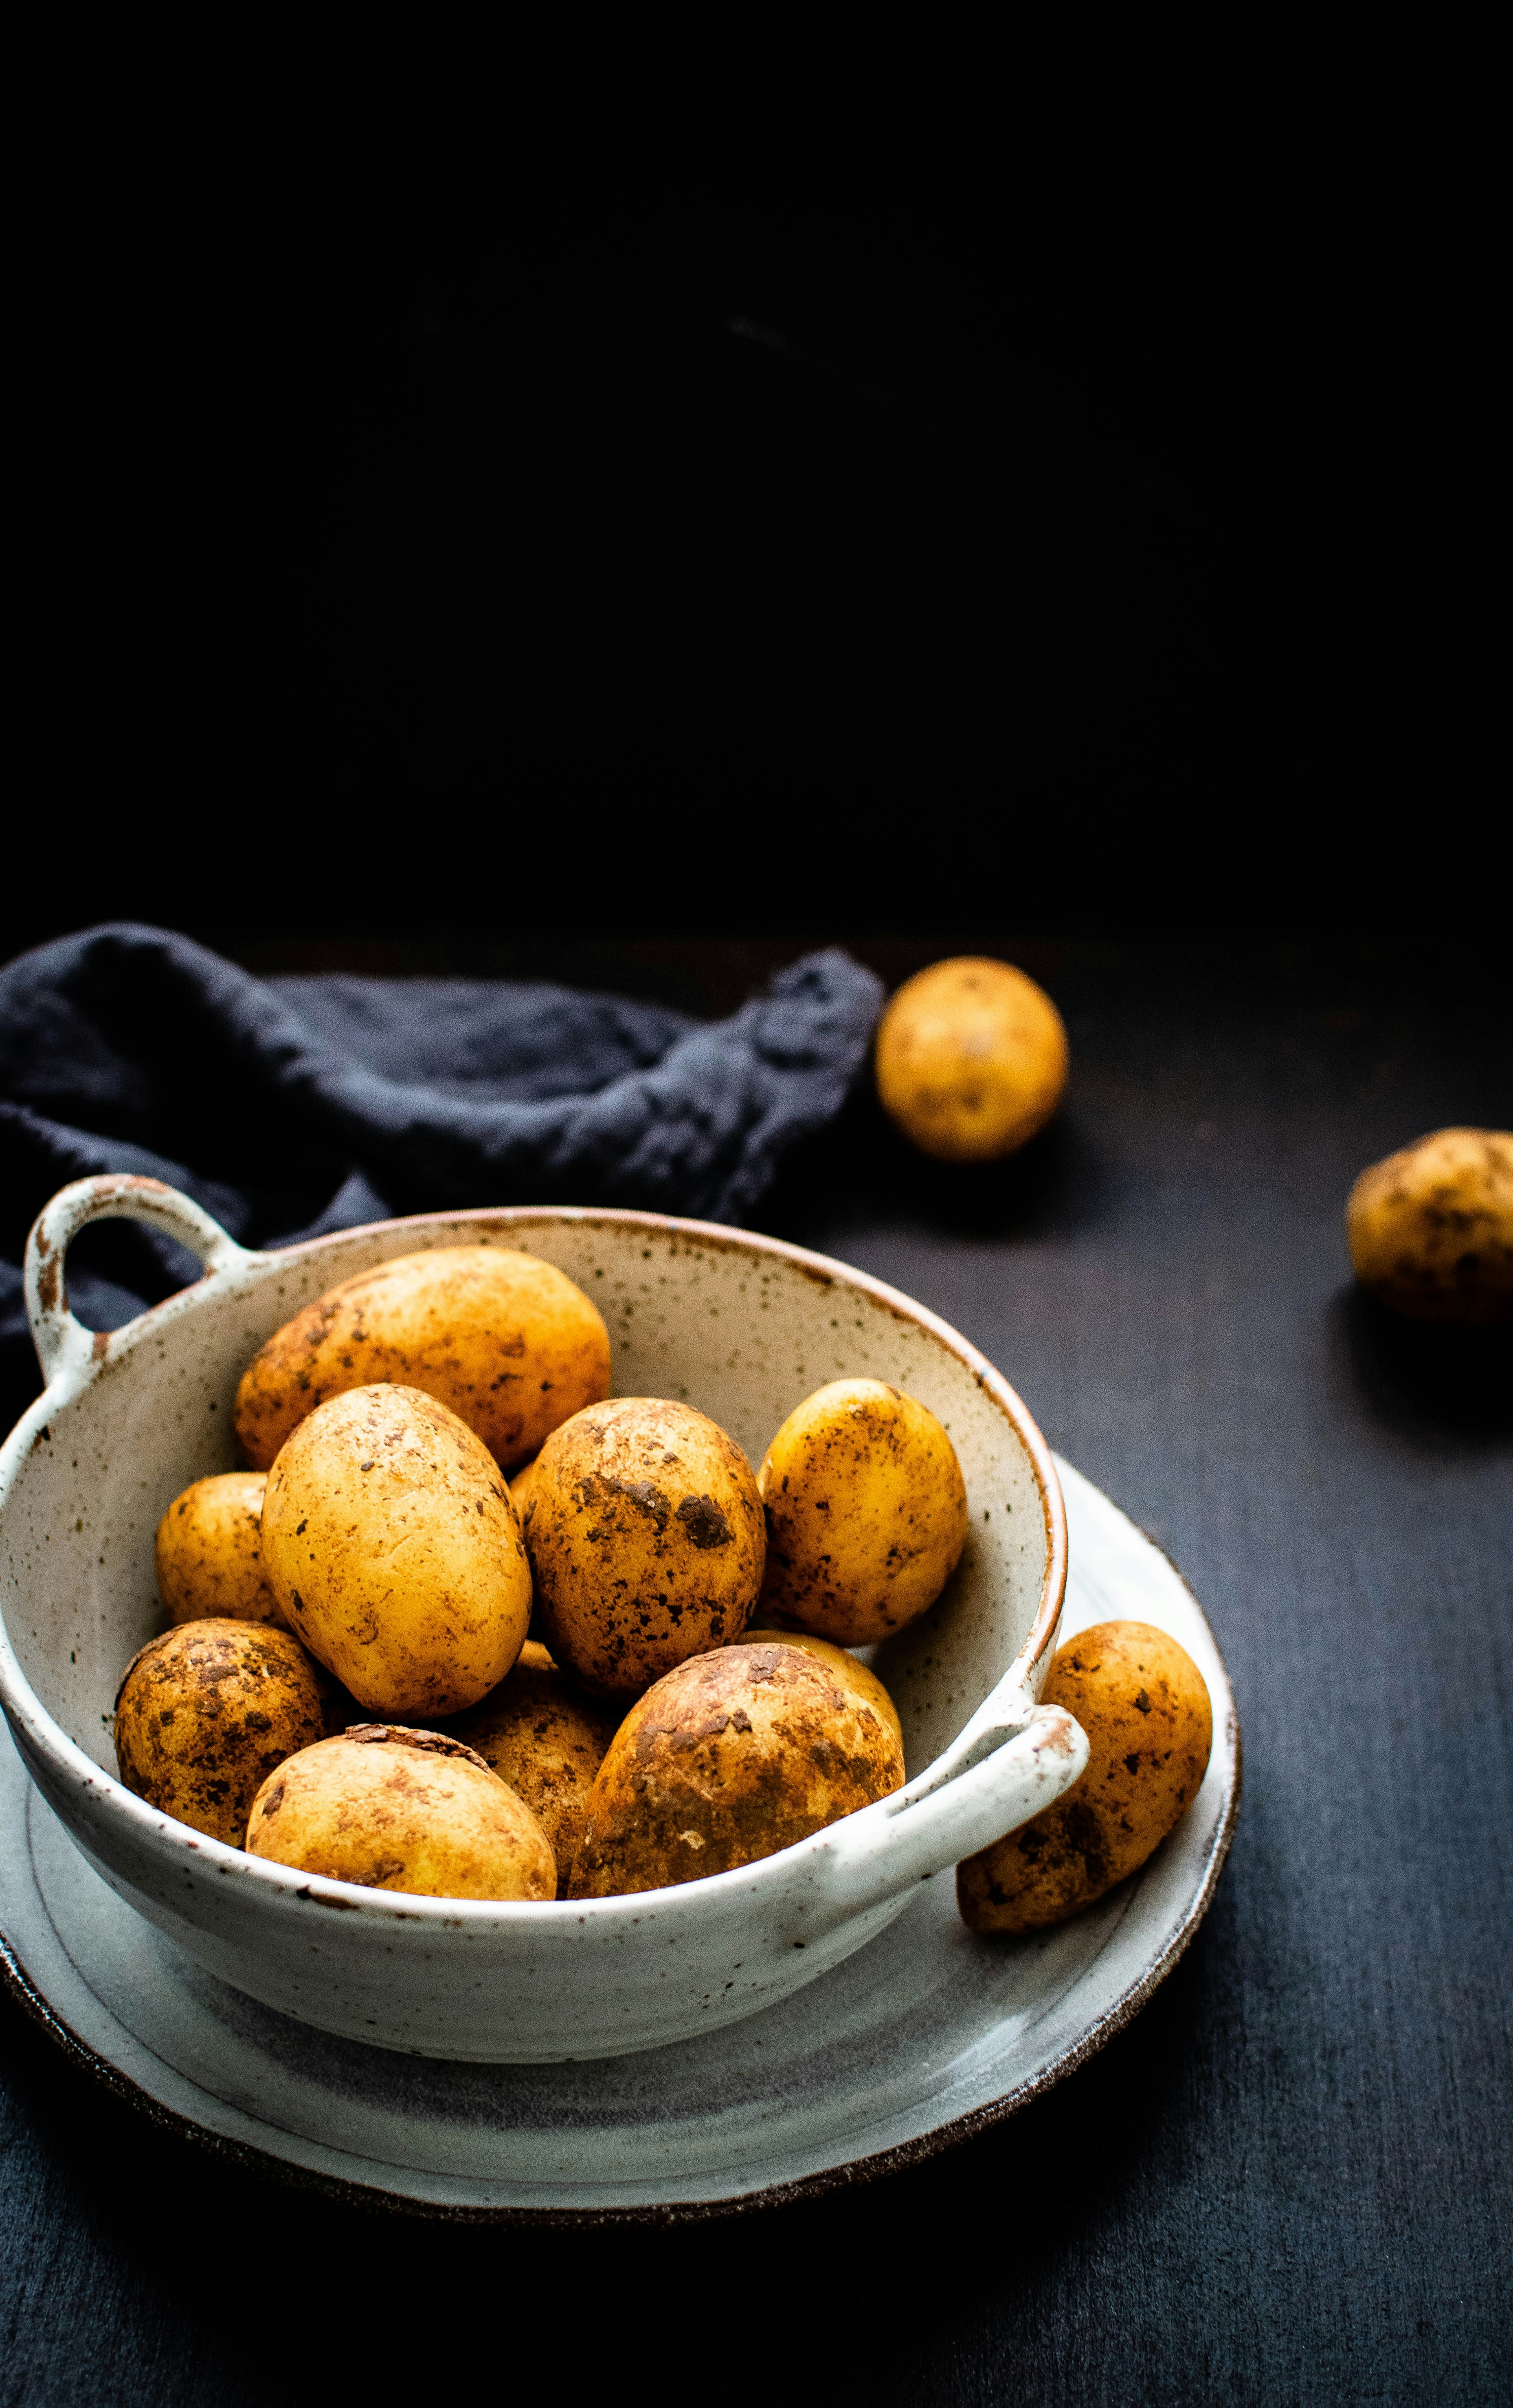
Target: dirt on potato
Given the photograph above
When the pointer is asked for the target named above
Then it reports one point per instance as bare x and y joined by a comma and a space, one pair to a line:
207, 1712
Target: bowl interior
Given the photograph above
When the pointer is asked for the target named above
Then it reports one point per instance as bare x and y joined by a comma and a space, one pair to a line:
738, 1325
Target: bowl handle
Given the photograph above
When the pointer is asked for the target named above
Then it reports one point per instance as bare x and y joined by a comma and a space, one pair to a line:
996, 1777
64, 1348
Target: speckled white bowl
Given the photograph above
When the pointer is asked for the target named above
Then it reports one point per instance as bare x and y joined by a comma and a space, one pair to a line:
741, 1325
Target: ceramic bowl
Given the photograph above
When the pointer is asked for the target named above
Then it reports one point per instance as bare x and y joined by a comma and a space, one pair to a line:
742, 1326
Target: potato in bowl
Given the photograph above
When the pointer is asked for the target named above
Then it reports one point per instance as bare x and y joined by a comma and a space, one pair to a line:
502, 1338
735, 1756
394, 1551
735, 1325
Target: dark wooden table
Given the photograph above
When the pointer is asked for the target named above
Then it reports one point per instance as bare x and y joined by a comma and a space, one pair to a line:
1288, 2182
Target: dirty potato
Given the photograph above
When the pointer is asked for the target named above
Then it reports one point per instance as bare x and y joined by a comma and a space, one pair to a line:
407, 1810
645, 1540
729, 1757
1431, 1229
210, 1553
521, 1492
858, 1678
394, 1551
866, 1510
546, 1741
1144, 1705
520, 1488
204, 1714
507, 1341
971, 1059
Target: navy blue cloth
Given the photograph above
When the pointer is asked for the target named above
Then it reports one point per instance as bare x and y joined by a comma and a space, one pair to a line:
289, 1107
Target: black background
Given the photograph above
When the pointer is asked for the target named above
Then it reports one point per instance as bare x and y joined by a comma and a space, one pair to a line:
614, 506
827, 473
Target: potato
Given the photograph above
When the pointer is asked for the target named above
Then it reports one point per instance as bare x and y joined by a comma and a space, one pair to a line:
1144, 1705
210, 1553
866, 1510
521, 1492
510, 1343
645, 1540
971, 1059
407, 1810
206, 1712
520, 1488
394, 1551
1431, 1229
729, 1757
339, 1708
548, 1742
860, 1679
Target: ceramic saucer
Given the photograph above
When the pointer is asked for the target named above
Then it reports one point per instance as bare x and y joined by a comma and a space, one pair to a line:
927, 2034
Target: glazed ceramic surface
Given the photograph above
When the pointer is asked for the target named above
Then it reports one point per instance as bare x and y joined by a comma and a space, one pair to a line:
740, 1326
926, 2035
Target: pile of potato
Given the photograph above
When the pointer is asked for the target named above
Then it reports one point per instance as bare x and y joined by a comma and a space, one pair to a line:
470, 1627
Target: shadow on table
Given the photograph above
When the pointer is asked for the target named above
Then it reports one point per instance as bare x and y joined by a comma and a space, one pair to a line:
869, 2289
863, 1167
1425, 1384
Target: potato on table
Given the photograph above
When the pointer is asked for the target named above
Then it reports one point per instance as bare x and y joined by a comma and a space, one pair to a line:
645, 1540
204, 1714
546, 1741
210, 1553
866, 1510
1144, 1705
971, 1059
729, 1757
510, 1343
1431, 1229
405, 1809
396, 1553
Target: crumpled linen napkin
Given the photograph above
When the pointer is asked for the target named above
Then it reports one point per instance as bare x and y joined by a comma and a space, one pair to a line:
289, 1107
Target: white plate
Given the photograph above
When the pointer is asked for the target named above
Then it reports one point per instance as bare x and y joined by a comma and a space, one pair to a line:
926, 2034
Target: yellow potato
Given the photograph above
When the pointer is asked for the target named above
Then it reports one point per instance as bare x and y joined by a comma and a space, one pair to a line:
405, 1809
860, 1679
729, 1757
210, 1553
508, 1342
519, 1497
1144, 1705
204, 1714
394, 1551
866, 1512
645, 1540
1431, 1229
971, 1059
521, 1487
548, 1742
